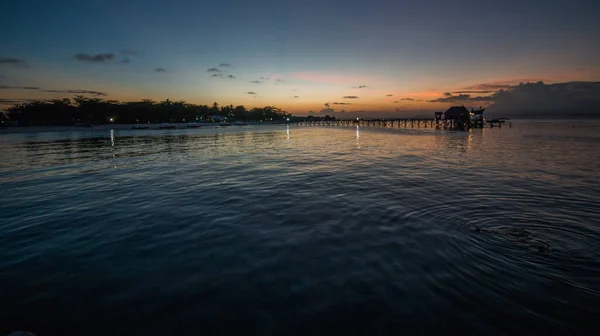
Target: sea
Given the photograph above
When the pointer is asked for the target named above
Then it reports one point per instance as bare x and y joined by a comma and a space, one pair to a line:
290, 229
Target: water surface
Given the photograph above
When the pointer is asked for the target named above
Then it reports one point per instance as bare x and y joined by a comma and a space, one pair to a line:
296, 230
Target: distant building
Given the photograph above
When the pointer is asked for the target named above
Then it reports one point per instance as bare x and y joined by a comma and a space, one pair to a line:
217, 118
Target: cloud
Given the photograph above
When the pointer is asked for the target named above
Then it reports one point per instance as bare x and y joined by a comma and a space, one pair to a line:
126, 60
225, 65
159, 70
408, 99
341, 104
251, 93
474, 91
217, 75
350, 97
461, 98
447, 94
98, 58
213, 70
8, 87
95, 93
327, 104
255, 82
279, 80
14, 61
129, 52
359, 87
231, 76
10, 101
296, 97
491, 86
396, 102
265, 78
389, 95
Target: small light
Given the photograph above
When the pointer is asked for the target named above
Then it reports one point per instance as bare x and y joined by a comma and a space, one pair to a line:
288, 119
111, 119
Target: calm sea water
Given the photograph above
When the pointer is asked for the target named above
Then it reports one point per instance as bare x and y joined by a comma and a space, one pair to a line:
279, 230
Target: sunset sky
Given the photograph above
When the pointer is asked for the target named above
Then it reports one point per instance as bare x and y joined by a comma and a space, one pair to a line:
374, 56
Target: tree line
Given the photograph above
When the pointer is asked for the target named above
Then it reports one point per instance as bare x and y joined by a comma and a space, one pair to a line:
99, 111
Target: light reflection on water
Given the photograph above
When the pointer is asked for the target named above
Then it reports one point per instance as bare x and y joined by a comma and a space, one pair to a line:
302, 229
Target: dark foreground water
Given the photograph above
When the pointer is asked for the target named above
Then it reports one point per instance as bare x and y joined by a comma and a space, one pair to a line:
277, 230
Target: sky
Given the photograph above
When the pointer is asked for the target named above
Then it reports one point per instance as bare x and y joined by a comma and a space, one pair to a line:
378, 57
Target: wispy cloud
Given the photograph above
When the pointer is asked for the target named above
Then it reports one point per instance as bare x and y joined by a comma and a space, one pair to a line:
14, 62
296, 97
10, 101
255, 82
341, 103
409, 99
129, 52
265, 78
389, 95
474, 91
126, 60
98, 58
396, 102
8, 87
359, 87
461, 98
327, 104
159, 70
230, 76
350, 97
447, 94
225, 65
213, 70
94, 93
251, 93
217, 75
36, 88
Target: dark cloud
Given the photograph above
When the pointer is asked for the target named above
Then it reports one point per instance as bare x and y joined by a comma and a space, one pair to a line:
461, 98
255, 82
94, 93
14, 61
296, 97
341, 103
408, 99
359, 87
251, 93
231, 76
126, 60
350, 97
389, 95
447, 94
98, 58
225, 65
474, 91
217, 75
213, 70
10, 101
159, 70
560, 100
129, 52
494, 87
8, 87
327, 104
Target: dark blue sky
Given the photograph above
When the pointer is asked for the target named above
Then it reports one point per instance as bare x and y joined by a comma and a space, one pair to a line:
317, 51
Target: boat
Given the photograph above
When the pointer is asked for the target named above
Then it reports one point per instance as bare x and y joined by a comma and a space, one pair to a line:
140, 126
167, 126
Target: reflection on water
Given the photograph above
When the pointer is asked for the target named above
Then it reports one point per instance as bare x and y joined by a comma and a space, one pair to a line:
230, 230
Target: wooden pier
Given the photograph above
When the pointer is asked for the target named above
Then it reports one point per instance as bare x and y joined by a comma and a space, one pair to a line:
390, 123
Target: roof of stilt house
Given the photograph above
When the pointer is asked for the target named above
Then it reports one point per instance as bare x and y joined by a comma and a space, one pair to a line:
456, 112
